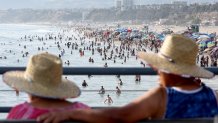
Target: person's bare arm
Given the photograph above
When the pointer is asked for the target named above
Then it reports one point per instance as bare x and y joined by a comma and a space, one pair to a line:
146, 106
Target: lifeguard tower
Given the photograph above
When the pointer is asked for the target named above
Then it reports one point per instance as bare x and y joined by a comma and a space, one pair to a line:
195, 28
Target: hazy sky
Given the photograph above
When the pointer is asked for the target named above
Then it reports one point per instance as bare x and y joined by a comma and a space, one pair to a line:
41, 4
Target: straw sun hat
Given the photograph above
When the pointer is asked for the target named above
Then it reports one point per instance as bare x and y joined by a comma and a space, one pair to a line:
178, 56
42, 77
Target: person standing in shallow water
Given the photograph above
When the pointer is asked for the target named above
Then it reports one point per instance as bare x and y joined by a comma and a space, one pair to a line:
102, 90
118, 91
105, 65
84, 84
108, 100
180, 93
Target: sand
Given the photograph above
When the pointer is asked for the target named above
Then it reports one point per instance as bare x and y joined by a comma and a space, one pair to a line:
160, 28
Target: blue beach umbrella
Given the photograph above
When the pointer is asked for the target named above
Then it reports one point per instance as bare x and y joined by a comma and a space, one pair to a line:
202, 44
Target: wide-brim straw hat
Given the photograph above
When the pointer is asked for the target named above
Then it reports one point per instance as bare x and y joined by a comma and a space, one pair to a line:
178, 56
43, 78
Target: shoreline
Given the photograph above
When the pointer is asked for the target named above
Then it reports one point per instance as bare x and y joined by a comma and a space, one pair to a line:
156, 28
160, 28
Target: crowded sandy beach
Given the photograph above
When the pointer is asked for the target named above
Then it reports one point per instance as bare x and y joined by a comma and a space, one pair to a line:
91, 45
108, 61
105, 46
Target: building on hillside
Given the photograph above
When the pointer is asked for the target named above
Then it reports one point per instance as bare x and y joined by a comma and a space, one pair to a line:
118, 4
127, 4
124, 4
180, 3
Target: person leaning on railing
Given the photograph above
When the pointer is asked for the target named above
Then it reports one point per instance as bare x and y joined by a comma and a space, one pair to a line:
180, 93
47, 91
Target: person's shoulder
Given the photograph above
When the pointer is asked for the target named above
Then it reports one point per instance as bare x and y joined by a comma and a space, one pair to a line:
159, 90
21, 105
15, 109
156, 94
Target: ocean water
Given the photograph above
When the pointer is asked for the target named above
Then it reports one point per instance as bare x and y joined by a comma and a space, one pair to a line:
12, 46
10, 39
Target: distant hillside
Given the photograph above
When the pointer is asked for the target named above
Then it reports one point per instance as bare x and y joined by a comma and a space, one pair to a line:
29, 15
71, 4
165, 14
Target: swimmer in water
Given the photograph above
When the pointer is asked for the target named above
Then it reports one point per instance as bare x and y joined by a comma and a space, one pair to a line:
120, 82
102, 90
84, 84
118, 91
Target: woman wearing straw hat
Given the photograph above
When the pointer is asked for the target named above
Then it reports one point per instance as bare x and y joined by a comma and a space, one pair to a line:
179, 95
47, 91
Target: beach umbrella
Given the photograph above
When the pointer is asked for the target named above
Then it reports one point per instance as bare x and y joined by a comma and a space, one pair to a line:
135, 30
205, 36
212, 35
195, 36
118, 30
210, 44
202, 44
161, 37
204, 41
129, 30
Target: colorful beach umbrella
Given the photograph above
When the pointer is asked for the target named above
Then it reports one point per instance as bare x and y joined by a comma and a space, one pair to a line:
210, 44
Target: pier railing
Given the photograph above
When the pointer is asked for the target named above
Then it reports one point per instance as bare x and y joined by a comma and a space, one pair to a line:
198, 120
109, 71
103, 71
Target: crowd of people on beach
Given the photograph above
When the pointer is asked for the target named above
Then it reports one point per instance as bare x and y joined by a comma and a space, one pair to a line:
177, 60
179, 82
